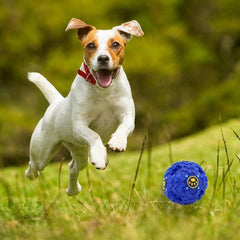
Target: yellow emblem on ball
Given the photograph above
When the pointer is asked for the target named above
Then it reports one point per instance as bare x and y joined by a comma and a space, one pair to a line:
164, 184
192, 182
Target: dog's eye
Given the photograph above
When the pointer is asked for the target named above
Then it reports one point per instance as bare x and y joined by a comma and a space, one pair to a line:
91, 46
116, 45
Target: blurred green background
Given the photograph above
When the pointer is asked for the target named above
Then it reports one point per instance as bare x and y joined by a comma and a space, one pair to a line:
184, 72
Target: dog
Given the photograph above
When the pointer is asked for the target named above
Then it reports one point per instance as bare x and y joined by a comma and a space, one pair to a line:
98, 107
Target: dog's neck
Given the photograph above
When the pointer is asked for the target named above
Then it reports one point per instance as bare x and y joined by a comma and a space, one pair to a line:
86, 74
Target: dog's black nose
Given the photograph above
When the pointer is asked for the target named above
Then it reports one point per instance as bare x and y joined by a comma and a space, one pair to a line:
103, 59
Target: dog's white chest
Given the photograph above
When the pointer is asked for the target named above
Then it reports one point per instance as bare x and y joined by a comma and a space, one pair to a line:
104, 119
105, 125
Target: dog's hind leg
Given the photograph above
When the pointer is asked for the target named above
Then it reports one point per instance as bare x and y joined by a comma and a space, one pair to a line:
79, 161
43, 147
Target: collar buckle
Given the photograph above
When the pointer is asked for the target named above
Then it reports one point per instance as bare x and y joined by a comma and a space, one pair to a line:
87, 74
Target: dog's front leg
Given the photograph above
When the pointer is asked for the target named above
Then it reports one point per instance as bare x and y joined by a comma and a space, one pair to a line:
97, 151
125, 111
118, 141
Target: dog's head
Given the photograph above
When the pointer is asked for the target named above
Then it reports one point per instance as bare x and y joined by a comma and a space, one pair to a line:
104, 49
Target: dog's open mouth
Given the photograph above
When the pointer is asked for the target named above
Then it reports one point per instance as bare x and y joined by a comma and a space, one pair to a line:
104, 77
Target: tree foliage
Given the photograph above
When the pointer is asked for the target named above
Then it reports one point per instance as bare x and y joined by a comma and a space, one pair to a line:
184, 72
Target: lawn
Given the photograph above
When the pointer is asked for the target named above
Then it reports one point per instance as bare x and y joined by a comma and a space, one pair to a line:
42, 210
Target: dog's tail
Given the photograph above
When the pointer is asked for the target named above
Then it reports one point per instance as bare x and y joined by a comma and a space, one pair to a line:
48, 90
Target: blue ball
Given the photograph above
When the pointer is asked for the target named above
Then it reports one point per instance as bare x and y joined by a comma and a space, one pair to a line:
185, 182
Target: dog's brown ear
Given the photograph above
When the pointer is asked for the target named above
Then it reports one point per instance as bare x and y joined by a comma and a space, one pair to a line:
129, 29
82, 27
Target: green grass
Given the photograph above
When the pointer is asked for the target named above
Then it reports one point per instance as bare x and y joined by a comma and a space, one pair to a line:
41, 209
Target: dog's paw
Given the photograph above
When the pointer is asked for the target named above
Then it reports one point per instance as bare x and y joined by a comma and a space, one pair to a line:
31, 174
117, 143
98, 157
74, 190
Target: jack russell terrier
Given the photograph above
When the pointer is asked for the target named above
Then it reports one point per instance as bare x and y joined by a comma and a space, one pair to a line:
99, 106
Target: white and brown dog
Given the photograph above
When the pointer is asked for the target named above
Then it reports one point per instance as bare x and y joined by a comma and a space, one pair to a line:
99, 106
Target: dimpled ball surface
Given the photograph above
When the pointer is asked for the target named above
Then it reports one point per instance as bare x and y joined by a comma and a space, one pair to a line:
185, 182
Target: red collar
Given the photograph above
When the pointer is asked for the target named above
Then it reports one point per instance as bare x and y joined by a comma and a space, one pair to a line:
87, 75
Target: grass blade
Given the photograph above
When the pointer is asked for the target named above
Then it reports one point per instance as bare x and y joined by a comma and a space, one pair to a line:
90, 189
236, 134
217, 172
59, 174
149, 161
229, 164
136, 174
238, 158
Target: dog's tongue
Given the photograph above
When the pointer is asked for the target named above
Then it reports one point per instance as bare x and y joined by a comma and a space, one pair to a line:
104, 78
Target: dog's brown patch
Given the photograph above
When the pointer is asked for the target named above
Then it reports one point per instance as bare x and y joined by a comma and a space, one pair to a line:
117, 54
89, 53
